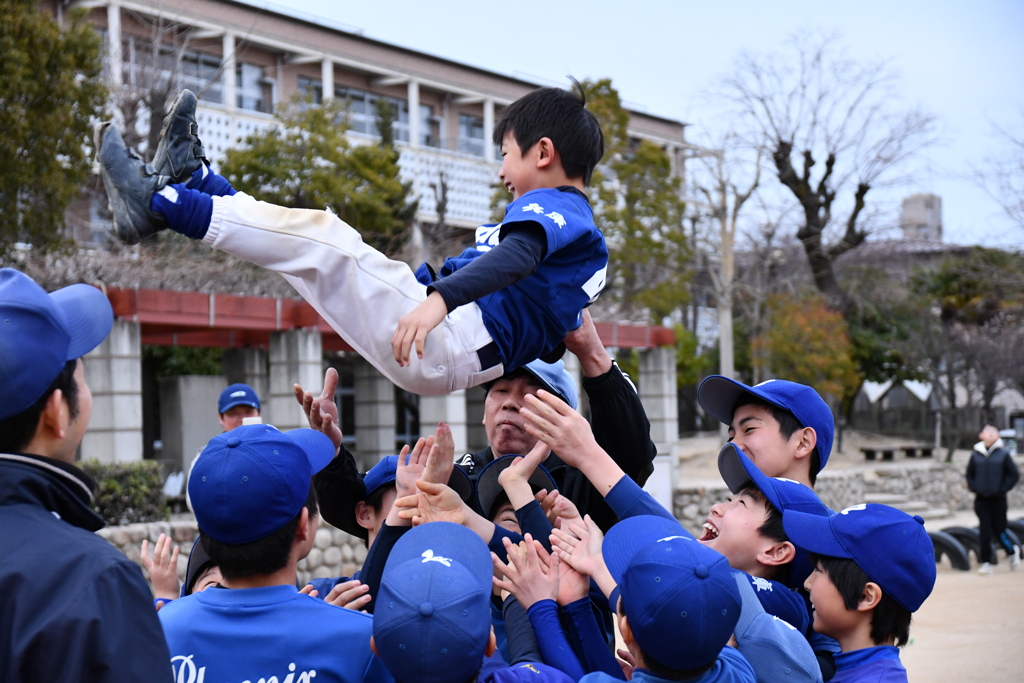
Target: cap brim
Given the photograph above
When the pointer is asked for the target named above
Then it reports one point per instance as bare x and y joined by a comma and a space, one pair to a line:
737, 470
718, 396
813, 533
488, 489
243, 402
548, 386
448, 540
317, 447
460, 482
628, 537
88, 315
197, 557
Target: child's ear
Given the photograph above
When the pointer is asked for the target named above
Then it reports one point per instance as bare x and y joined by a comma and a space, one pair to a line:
545, 152
869, 597
625, 631
777, 554
808, 439
492, 643
364, 515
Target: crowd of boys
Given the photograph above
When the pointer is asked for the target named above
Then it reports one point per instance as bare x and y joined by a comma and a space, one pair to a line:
517, 563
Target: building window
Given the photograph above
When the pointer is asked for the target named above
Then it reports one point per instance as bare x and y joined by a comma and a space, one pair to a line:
197, 71
362, 111
407, 419
311, 86
471, 135
253, 91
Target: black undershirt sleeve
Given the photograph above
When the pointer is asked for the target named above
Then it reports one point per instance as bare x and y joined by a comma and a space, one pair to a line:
516, 257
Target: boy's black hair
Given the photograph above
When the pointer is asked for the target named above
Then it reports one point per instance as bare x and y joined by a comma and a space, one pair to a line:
771, 528
662, 671
262, 556
562, 116
18, 430
501, 499
787, 425
888, 619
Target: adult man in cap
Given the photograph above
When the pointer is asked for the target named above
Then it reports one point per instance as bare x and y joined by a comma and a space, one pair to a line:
236, 403
72, 608
619, 422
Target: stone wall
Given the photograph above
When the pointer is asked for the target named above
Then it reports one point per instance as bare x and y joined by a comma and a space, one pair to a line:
334, 553
941, 485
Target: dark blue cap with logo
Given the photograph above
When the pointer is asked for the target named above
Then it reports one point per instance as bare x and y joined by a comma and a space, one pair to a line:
40, 333
680, 597
719, 395
251, 481
385, 472
890, 546
433, 617
237, 395
488, 489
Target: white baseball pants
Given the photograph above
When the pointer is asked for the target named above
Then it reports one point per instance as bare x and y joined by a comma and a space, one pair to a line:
360, 292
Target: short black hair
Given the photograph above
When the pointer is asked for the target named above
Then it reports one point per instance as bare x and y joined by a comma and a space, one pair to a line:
888, 619
262, 556
787, 425
771, 527
18, 430
661, 670
561, 115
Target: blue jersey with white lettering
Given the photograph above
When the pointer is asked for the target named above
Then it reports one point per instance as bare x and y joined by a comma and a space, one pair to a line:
275, 633
530, 319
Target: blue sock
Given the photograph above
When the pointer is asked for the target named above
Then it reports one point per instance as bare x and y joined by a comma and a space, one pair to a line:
187, 211
208, 182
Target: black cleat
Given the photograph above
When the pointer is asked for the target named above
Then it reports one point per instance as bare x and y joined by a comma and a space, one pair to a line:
130, 186
180, 152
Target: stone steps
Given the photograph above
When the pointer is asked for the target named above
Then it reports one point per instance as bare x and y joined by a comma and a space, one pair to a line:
911, 507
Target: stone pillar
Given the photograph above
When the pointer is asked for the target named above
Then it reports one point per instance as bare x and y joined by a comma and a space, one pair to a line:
326, 80
250, 366
296, 356
488, 128
114, 44
375, 414
229, 72
572, 366
188, 417
414, 113
113, 371
658, 394
450, 409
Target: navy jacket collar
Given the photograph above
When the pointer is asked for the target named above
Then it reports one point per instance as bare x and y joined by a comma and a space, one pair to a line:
51, 484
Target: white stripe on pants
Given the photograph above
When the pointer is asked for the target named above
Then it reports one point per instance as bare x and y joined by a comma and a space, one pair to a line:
356, 289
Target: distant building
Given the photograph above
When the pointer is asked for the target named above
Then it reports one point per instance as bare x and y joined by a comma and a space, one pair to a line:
921, 218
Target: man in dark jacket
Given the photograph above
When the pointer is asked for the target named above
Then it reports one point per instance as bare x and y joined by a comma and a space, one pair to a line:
991, 473
618, 419
72, 608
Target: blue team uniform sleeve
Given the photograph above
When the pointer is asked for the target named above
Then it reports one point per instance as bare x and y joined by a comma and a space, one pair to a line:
564, 216
593, 646
627, 499
554, 646
533, 521
781, 602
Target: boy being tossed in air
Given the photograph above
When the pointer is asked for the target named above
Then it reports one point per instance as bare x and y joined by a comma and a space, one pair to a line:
493, 309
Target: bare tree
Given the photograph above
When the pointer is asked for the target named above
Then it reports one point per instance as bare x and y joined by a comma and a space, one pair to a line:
815, 103
1002, 176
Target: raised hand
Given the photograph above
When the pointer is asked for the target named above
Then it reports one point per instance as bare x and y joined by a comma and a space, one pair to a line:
515, 480
162, 567
580, 546
411, 466
433, 503
322, 412
586, 345
441, 458
565, 431
531, 576
349, 595
561, 511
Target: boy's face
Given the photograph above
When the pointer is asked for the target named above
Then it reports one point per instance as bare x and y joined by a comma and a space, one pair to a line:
505, 517
756, 431
831, 618
517, 167
210, 577
232, 418
732, 529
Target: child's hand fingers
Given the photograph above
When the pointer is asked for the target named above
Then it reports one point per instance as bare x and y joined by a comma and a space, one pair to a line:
309, 590
146, 560
173, 564
556, 404
421, 338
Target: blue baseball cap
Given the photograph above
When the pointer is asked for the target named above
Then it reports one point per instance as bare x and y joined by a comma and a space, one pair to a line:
385, 472
553, 377
40, 333
488, 489
251, 481
890, 546
719, 395
738, 470
237, 395
680, 597
433, 617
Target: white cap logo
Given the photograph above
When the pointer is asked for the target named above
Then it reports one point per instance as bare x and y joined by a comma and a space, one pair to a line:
854, 508
672, 538
237, 394
428, 556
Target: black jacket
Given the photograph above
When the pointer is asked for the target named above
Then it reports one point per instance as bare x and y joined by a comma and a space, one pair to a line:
620, 427
72, 607
991, 474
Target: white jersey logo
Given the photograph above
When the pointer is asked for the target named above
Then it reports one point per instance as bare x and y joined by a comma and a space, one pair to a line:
595, 284
762, 584
535, 207
428, 556
557, 218
854, 508
487, 237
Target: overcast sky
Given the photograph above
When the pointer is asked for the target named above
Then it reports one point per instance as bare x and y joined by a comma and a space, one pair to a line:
963, 61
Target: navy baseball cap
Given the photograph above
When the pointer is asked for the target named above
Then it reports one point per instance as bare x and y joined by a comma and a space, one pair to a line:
553, 377
251, 481
488, 489
198, 561
237, 395
718, 395
890, 546
385, 472
433, 616
785, 494
681, 599
40, 333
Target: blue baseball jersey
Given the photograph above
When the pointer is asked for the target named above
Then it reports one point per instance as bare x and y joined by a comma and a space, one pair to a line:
254, 634
781, 602
530, 319
730, 667
870, 665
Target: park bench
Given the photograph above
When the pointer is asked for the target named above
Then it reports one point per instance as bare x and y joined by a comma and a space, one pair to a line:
888, 452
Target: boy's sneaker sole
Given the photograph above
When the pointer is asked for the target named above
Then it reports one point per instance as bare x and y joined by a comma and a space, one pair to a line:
179, 153
130, 186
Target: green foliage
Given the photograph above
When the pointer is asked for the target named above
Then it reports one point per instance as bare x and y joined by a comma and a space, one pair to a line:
881, 321
50, 91
691, 366
307, 162
171, 361
128, 492
640, 211
976, 289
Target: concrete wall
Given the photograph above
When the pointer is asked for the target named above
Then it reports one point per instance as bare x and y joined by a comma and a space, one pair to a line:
188, 417
113, 371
